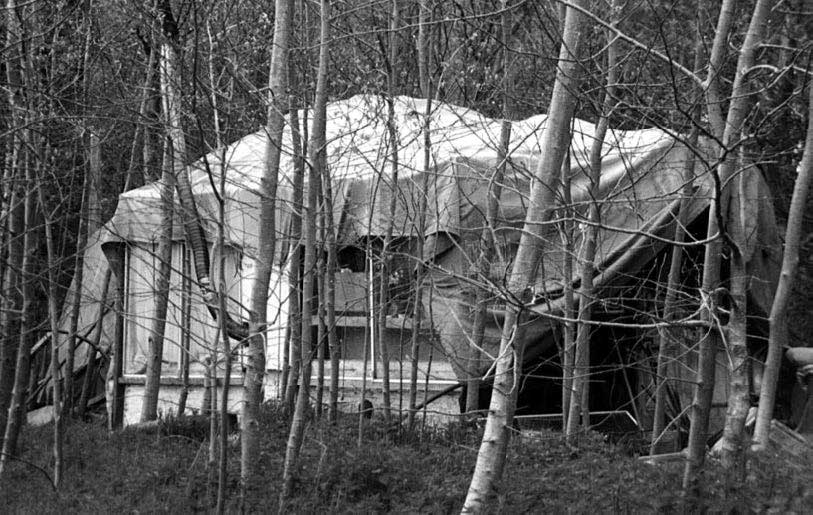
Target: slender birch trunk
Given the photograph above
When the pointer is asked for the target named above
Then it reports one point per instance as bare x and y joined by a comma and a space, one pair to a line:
701, 403
291, 362
569, 326
76, 302
330, 296
667, 341
16, 410
487, 242
183, 397
92, 224
580, 399
222, 476
383, 292
151, 152
667, 344
114, 390
9, 156
737, 110
365, 408
717, 58
321, 332
491, 456
777, 336
83, 233
255, 366
318, 157
12, 292
424, 18
152, 384
733, 441
209, 405
53, 320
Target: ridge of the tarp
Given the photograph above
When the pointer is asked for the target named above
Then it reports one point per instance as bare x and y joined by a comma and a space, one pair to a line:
357, 153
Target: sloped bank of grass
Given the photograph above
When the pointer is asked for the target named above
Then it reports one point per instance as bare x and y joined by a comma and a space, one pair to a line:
427, 471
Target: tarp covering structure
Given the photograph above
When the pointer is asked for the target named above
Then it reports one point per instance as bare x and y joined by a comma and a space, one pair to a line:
642, 180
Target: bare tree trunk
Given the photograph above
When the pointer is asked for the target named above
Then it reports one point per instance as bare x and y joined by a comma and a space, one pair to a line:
9, 321
83, 233
222, 476
580, 400
714, 97
186, 340
76, 301
321, 332
53, 319
183, 397
414, 352
487, 243
667, 350
286, 356
777, 336
569, 326
424, 16
701, 405
733, 442
17, 316
318, 157
290, 361
94, 209
491, 456
209, 405
330, 296
12, 292
114, 391
152, 384
365, 408
16, 410
153, 128
383, 291
255, 367
6, 194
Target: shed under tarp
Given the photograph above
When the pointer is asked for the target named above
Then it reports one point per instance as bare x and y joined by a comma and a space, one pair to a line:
642, 180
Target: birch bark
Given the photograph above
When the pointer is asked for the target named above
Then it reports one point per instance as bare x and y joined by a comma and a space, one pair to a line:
318, 158
255, 365
737, 110
491, 456
777, 336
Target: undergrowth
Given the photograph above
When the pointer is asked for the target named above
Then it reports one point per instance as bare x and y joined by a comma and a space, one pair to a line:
426, 470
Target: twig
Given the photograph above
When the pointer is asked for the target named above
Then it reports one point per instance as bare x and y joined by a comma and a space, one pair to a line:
33, 465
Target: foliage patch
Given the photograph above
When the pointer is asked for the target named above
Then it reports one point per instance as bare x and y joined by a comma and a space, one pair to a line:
426, 470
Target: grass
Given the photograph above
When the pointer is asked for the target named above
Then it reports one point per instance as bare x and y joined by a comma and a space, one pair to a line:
426, 471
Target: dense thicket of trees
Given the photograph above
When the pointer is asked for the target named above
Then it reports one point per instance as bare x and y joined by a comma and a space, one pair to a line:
101, 96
